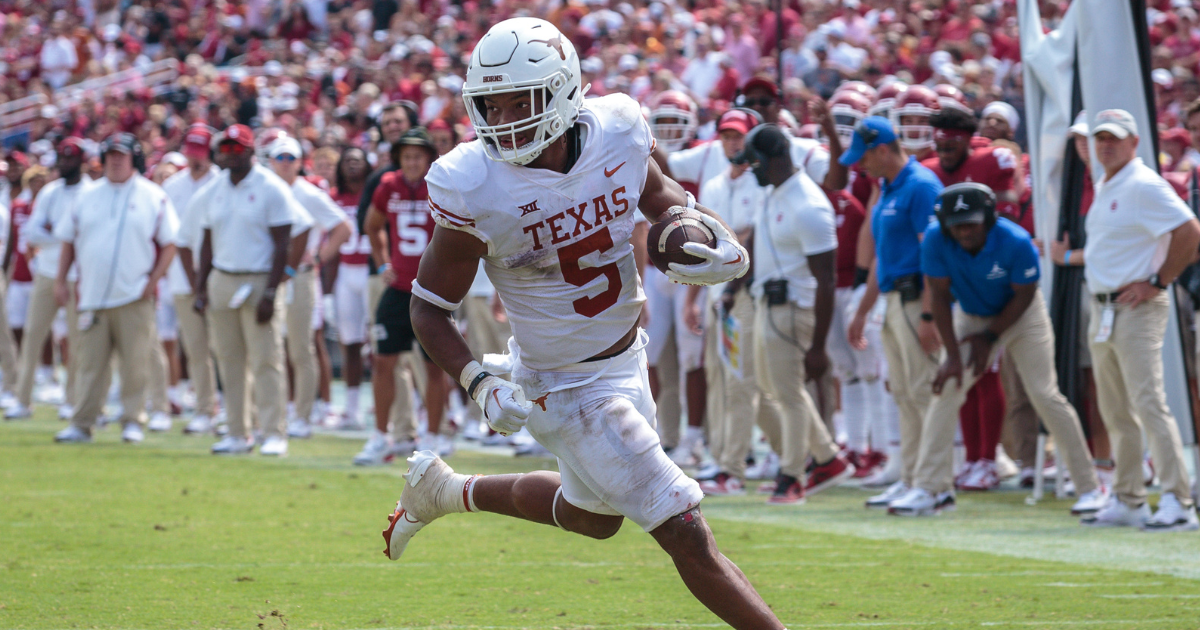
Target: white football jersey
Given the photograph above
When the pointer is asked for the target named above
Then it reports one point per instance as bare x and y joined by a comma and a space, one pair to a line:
559, 251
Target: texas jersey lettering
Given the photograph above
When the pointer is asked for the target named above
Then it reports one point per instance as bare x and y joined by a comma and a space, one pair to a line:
558, 244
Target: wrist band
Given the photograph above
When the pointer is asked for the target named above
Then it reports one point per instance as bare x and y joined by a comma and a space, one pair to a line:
384, 267
468, 374
290, 271
433, 298
1067, 258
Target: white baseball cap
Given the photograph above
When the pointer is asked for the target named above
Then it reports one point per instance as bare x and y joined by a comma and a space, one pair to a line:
286, 145
1118, 122
1080, 126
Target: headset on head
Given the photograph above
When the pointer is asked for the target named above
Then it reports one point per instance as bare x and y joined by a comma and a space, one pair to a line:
138, 155
958, 192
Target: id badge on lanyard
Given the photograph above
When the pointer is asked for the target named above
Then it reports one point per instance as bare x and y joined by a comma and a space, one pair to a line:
1107, 316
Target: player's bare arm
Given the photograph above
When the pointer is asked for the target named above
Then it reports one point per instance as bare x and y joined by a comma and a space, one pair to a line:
447, 270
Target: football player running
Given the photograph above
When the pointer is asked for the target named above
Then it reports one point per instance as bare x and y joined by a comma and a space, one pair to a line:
546, 197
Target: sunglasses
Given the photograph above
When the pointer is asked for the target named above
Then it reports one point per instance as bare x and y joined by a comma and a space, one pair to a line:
232, 148
285, 158
758, 102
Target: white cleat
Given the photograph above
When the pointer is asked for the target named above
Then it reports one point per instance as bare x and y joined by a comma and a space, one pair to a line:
421, 502
1091, 502
376, 452
274, 446
159, 422
886, 476
18, 412
298, 428
132, 433
1116, 513
73, 435
230, 445
919, 502
198, 424
1172, 516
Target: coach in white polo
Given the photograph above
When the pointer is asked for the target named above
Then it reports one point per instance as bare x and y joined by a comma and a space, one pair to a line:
56, 200
181, 278
122, 233
1140, 236
246, 215
330, 231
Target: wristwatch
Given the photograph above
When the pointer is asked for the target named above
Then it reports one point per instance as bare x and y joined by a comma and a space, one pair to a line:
1157, 283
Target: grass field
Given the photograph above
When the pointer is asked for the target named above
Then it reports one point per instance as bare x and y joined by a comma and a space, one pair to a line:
164, 535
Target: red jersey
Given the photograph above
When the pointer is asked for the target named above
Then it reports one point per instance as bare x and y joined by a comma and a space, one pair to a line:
410, 224
20, 264
861, 185
994, 166
357, 250
850, 216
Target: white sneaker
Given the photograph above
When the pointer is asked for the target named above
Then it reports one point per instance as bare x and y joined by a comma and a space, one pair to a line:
1116, 514
298, 428
423, 500
73, 435
49, 394
7, 400
445, 446
230, 445
403, 449
1091, 502
688, 454
159, 422
274, 445
886, 476
474, 431
376, 452
894, 491
198, 424
919, 502
1005, 467
65, 412
132, 433
348, 423
1172, 516
767, 468
18, 412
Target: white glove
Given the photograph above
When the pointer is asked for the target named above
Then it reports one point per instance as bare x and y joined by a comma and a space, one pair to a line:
503, 403
727, 261
501, 363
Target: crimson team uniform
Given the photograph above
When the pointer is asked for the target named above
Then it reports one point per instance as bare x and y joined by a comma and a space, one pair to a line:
350, 289
21, 285
410, 227
560, 257
994, 166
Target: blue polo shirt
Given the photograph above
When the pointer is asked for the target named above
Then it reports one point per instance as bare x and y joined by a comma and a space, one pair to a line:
982, 283
904, 210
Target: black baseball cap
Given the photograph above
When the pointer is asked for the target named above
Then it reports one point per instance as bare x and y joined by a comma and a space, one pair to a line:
764, 141
967, 202
122, 142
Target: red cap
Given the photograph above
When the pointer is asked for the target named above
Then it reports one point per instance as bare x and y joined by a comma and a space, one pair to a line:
438, 124
736, 120
19, 157
1177, 134
240, 134
197, 141
71, 146
761, 84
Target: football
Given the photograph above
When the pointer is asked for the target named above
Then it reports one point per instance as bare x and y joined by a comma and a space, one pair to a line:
674, 229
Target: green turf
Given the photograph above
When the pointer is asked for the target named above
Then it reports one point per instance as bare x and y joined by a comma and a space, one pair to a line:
164, 535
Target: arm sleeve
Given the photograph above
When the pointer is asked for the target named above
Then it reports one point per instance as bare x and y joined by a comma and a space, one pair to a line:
920, 207
817, 229
1160, 210
932, 263
38, 230
1026, 268
168, 221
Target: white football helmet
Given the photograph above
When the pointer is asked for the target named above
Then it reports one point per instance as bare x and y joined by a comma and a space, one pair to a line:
524, 55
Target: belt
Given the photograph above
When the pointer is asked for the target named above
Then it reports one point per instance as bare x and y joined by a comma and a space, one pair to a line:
240, 273
1106, 298
632, 339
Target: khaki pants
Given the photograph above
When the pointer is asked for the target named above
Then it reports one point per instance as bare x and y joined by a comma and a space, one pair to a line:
1128, 369
745, 400
193, 333
8, 345
715, 418
247, 353
121, 330
1020, 431
784, 337
1029, 346
400, 415
300, 347
160, 373
42, 310
911, 371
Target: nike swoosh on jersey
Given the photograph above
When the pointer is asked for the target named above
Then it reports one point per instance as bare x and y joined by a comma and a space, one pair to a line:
608, 173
